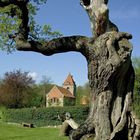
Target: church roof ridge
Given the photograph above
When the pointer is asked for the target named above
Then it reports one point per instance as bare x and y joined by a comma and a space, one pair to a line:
69, 80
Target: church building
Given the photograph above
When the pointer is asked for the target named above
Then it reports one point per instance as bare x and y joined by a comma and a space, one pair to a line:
62, 96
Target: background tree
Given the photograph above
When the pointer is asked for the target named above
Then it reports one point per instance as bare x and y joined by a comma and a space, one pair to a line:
17, 9
46, 85
110, 71
136, 64
15, 89
37, 97
40, 90
82, 91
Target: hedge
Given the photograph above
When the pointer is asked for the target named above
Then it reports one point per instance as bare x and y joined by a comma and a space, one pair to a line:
44, 116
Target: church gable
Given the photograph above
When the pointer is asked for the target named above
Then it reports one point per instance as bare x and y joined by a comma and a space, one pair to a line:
54, 97
69, 80
55, 93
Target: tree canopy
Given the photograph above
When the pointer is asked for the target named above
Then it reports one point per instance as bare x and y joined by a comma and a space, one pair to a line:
136, 64
15, 89
12, 14
18, 90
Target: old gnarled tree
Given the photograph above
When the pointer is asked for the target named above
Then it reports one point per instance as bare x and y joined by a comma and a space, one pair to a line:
110, 71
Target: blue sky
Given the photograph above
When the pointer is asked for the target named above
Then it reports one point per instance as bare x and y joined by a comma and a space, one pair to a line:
68, 17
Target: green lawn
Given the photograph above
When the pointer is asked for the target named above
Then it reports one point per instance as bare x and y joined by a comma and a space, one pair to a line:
12, 132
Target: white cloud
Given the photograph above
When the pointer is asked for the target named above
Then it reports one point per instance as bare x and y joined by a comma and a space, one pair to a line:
34, 75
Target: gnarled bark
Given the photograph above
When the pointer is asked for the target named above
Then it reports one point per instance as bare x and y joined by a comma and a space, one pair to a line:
59, 45
98, 13
111, 79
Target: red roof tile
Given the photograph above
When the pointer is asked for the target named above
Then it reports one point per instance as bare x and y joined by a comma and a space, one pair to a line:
65, 92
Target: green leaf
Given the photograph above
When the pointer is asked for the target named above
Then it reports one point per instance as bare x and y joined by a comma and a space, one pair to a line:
9, 24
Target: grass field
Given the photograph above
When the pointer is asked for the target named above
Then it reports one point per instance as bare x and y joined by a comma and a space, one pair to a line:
12, 132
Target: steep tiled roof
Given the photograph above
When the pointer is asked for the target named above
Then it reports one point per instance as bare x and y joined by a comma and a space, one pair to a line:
69, 80
65, 92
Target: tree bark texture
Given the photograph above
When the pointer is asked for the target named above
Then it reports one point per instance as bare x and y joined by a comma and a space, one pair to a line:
110, 72
111, 78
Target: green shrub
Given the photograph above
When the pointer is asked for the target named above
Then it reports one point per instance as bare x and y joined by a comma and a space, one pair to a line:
45, 116
136, 105
2, 110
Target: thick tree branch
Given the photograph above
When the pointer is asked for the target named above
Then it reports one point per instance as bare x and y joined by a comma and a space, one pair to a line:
64, 44
4, 3
59, 45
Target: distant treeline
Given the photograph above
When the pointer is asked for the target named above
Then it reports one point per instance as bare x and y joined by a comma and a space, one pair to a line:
19, 90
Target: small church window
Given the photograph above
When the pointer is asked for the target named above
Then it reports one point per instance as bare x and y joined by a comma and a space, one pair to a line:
51, 100
54, 100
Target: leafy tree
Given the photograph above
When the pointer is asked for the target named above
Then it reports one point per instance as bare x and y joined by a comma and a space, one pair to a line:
37, 97
136, 64
82, 91
108, 53
45, 86
17, 9
45, 80
87, 89
15, 89
79, 94
39, 92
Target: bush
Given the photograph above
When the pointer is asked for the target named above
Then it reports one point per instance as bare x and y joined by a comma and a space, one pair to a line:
136, 105
2, 110
44, 116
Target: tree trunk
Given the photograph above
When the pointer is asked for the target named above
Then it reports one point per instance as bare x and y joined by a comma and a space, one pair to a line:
111, 78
